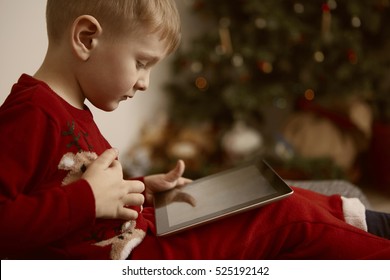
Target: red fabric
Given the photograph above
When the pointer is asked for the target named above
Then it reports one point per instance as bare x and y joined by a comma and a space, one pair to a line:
39, 218
306, 225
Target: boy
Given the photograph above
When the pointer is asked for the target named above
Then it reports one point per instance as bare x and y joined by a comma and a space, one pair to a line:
63, 195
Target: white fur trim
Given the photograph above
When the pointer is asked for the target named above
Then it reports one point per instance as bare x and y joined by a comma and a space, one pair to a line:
354, 212
129, 247
66, 163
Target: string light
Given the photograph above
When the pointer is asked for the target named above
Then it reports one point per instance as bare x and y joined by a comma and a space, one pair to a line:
201, 83
299, 8
196, 67
260, 23
237, 60
319, 56
356, 22
332, 4
265, 67
309, 94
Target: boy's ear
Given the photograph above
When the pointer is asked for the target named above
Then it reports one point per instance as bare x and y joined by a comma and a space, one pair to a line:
86, 31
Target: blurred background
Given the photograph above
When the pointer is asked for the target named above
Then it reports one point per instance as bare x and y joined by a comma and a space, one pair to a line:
302, 83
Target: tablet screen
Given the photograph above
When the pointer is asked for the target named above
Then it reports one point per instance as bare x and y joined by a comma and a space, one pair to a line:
216, 196
219, 193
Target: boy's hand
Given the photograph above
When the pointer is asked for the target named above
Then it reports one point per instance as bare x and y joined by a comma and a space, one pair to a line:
164, 182
111, 191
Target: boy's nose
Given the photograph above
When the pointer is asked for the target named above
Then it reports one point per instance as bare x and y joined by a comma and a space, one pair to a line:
143, 83
141, 86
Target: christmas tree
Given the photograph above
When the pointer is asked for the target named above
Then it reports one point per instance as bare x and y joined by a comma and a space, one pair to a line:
257, 55
267, 53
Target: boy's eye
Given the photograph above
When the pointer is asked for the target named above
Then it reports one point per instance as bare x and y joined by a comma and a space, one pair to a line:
140, 65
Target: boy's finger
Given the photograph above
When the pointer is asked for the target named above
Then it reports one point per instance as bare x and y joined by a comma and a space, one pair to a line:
127, 214
136, 186
176, 172
183, 181
134, 199
107, 158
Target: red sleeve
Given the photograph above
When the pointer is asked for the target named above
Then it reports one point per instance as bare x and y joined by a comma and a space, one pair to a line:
35, 209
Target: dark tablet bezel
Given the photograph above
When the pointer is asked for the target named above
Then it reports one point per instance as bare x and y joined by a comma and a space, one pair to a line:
282, 190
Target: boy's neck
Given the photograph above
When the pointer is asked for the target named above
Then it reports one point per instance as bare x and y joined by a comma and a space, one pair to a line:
56, 72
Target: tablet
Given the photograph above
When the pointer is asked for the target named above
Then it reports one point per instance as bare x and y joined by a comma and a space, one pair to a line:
220, 195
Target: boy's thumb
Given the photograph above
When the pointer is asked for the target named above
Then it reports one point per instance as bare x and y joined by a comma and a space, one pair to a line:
176, 172
107, 157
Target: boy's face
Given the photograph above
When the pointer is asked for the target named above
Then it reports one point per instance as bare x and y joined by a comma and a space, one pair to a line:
117, 69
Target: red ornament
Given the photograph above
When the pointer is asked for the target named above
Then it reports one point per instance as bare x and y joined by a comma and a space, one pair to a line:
325, 8
352, 56
264, 66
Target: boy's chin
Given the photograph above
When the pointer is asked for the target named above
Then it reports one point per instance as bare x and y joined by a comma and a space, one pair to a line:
107, 107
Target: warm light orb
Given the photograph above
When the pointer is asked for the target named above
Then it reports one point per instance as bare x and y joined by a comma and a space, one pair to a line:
309, 94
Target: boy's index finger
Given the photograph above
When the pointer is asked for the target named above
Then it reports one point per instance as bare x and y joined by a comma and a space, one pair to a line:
107, 157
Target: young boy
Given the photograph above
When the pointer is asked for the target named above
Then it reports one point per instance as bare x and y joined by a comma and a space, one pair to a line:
62, 193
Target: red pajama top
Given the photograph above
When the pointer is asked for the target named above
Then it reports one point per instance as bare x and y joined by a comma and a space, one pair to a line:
39, 216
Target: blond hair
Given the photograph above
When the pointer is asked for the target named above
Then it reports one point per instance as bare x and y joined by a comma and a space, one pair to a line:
118, 17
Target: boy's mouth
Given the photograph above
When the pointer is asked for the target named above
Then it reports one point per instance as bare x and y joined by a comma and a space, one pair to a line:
124, 98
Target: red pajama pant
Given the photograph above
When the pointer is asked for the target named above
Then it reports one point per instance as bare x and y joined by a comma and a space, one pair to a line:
306, 225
